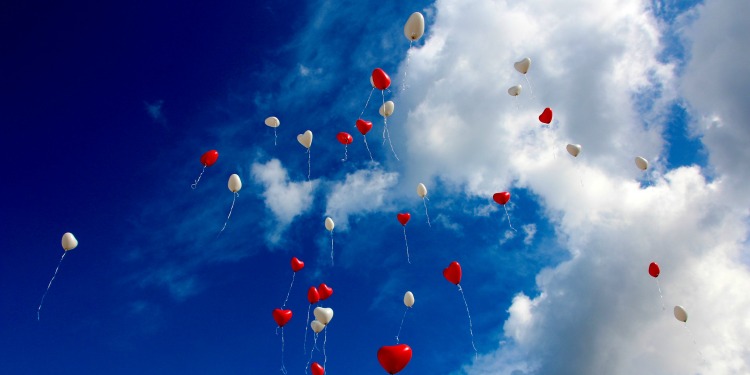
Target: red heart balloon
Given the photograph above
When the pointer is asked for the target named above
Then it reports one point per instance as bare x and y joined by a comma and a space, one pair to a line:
209, 158
344, 138
501, 198
403, 218
546, 116
317, 369
282, 316
297, 264
325, 291
312, 295
394, 358
453, 273
380, 79
653, 269
364, 126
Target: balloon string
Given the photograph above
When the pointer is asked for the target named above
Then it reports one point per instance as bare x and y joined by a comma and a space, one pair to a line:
195, 184
290, 290
389, 142
531, 89
368, 148
308, 164
312, 350
471, 332
366, 103
346, 153
331, 248
386, 133
660, 295
508, 215
694, 343
424, 200
408, 59
325, 338
234, 198
283, 368
408, 259
304, 346
275, 137
402, 324
38, 310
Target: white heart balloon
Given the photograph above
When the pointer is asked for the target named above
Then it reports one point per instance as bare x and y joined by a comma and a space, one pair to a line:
515, 90
305, 139
523, 65
421, 190
234, 184
317, 326
680, 314
414, 27
573, 149
641, 163
273, 122
323, 314
69, 241
329, 224
387, 108
409, 299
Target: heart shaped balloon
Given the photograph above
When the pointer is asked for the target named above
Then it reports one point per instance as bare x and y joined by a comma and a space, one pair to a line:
573, 149
523, 65
394, 358
209, 158
297, 264
344, 138
546, 116
317, 369
501, 198
273, 122
323, 314
364, 126
403, 218
317, 326
380, 79
69, 241
305, 139
325, 291
282, 316
312, 295
653, 269
514, 90
453, 273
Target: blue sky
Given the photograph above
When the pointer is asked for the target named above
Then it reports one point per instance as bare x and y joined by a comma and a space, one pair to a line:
108, 108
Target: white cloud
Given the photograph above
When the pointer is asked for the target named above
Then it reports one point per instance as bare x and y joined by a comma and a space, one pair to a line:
362, 192
596, 63
530, 231
285, 199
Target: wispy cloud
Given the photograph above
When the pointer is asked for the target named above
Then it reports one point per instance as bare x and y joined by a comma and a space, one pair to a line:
155, 111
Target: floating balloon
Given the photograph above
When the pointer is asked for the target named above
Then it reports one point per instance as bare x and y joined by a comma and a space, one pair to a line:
274, 123
414, 27
325, 291
364, 127
345, 139
305, 139
386, 110
546, 116
641, 163
653, 269
680, 314
403, 218
296, 266
453, 274
323, 314
380, 79
312, 295
68, 242
282, 317
502, 198
329, 226
422, 192
409, 299
523, 65
573, 149
207, 159
394, 358
317, 369
515, 90
234, 185
317, 326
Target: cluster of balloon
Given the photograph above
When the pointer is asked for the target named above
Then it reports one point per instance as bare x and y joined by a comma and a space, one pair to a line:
453, 274
323, 316
408, 302
522, 67
502, 199
403, 218
364, 127
386, 110
394, 358
413, 30
654, 271
274, 123
207, 159
422, 192
329, 227
69, 242
345, 139
234, 185
282, 315
315, 295
305, 139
